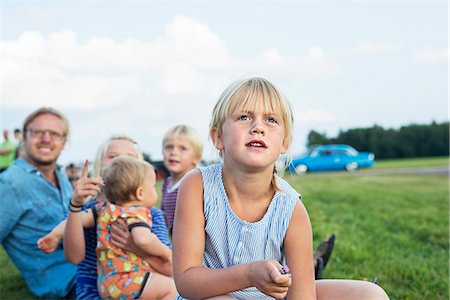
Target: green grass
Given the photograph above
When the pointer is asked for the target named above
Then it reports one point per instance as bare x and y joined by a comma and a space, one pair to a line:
393, 227
412, 162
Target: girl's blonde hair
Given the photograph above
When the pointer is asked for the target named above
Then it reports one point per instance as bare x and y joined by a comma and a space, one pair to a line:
188, 133
102, 149
251, 93
123, 177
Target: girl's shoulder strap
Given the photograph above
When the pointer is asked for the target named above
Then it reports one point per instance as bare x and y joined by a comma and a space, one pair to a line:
287, 189
212, 184
211, 174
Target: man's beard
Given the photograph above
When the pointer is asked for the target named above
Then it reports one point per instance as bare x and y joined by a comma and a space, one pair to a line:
39, 162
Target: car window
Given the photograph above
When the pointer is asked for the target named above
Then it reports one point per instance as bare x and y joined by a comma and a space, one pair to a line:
326, 152
342, 153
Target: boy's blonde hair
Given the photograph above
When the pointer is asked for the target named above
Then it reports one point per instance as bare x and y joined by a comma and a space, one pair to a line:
248, 94
102, 149
188, 133
123, 177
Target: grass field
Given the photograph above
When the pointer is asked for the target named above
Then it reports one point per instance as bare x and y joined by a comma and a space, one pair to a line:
393, 227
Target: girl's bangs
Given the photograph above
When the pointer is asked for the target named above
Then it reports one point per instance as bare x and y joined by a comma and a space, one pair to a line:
256, 97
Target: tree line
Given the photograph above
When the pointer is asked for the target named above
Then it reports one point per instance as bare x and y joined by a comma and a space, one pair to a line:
408, 141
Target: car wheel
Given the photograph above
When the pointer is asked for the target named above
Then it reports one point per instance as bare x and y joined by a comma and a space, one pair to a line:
351, 167
301, 169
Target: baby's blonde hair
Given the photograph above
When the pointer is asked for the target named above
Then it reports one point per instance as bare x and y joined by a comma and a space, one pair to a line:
248, 94
123, 177
188, 133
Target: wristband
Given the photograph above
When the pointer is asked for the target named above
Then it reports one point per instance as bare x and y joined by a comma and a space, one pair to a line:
76, 206
81, 208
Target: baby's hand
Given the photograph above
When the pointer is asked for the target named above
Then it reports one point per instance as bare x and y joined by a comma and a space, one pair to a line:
266, 277
48, 243
85, 187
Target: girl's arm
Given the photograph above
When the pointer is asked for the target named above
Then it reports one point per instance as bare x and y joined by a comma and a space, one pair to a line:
193, 281
298, 251
50, 241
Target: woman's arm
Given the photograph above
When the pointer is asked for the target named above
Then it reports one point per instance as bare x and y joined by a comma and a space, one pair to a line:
73, 240
299, 257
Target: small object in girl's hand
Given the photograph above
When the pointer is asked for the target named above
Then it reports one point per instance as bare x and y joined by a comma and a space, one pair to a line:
285, 270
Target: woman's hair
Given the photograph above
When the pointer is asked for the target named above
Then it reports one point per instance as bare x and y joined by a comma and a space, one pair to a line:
188, 133
248, 94
103, 147
123, 177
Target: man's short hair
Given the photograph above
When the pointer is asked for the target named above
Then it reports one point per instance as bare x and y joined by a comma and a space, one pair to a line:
46, 111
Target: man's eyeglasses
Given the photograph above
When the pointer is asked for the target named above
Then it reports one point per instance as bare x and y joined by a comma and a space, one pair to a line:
39, 133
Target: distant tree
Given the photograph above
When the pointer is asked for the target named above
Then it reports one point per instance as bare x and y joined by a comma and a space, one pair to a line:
409, 141
315, 138
147, 157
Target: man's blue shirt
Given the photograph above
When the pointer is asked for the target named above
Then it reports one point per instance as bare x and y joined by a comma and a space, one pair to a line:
30, 206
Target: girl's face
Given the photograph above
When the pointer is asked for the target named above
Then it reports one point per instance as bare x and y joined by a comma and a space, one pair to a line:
179, 156
118, 148
251, 138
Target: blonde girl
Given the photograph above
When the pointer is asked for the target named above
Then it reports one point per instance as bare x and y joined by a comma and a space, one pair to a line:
237, 222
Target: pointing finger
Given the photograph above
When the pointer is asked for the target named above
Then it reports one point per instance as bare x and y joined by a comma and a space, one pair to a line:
84, 173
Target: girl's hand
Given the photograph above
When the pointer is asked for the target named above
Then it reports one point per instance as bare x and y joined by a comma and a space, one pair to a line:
48, 243
86, 186
265, 276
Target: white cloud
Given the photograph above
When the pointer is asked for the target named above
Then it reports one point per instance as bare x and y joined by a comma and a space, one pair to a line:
186, 58
313, 61
315, 53
430, 54
376, 47
314, 116
272, 57
101, 71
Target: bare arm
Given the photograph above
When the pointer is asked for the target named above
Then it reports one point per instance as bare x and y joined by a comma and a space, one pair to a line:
192, 279
73, 241
149, 243
121, 237
298, 250
151, 249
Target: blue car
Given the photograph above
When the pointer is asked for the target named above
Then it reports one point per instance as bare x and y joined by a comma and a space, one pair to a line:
331, 158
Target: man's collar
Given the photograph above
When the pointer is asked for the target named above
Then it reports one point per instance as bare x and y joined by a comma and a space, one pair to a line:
29, 168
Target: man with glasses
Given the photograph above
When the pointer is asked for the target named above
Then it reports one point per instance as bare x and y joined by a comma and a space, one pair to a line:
34, 196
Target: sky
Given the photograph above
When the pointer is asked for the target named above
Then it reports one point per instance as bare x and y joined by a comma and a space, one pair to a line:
141, 67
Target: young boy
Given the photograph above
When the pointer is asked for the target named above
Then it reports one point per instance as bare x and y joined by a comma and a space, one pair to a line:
182, 149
